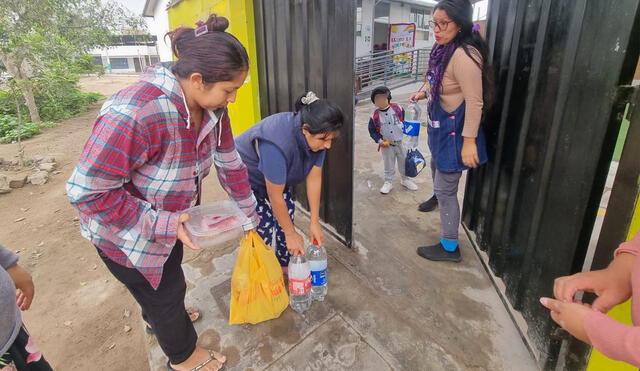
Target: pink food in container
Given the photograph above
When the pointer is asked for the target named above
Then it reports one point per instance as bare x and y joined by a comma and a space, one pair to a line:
215, 223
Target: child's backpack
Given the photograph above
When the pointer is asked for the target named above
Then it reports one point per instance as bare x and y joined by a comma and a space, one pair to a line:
414, 163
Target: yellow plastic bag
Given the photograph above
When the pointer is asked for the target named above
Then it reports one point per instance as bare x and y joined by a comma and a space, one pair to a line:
257, 286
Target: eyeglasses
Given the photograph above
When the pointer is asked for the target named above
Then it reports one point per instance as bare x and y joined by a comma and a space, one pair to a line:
442, 26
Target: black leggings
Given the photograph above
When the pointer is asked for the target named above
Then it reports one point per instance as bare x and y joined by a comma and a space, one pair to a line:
163, 308
23, 355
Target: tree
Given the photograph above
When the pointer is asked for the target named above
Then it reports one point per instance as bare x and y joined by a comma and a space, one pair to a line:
34, 34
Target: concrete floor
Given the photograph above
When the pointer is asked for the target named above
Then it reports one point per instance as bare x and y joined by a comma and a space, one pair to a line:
387, 309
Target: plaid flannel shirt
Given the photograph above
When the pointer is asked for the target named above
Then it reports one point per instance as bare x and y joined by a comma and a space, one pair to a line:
141, 167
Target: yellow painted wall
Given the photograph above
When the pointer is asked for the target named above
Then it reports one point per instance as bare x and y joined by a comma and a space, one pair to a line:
622, 313
246, 110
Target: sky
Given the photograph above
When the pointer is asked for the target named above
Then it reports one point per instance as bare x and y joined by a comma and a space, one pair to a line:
134, 5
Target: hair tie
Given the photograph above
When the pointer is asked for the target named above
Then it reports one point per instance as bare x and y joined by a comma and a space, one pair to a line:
309, 98
476, 27
201, 29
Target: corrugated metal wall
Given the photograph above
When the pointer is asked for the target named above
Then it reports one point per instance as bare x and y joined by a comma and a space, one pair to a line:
559, 65
309, 45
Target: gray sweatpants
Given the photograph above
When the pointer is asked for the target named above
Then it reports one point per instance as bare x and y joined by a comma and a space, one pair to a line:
445, 186
392, 155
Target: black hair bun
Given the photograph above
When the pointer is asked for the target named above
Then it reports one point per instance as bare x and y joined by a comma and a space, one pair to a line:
217, 23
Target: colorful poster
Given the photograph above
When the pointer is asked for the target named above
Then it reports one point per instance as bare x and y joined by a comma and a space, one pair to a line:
402, 37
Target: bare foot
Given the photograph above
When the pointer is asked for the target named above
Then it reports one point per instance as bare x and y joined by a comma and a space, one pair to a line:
214, 361
194, 313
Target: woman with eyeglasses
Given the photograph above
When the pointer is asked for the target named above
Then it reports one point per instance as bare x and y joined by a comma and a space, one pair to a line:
458, 89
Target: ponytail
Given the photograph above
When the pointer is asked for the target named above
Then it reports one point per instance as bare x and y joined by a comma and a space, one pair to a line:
209, 50
319, 116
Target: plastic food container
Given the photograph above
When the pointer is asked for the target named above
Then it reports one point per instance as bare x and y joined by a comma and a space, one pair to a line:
215, 223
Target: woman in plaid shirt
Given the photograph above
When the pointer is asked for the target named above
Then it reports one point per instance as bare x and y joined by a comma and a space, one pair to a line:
151, 145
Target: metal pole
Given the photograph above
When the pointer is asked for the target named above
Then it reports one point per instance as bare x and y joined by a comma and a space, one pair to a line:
417, 64
385, 60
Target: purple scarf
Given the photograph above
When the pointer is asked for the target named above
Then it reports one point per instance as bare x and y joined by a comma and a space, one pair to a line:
438, 61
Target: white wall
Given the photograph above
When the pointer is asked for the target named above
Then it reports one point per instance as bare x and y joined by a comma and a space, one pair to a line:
141, 52
401, 13
398, 13
364, 43
126, 50
159, 26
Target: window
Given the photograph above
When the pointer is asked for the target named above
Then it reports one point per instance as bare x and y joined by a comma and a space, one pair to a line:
381, 12
119, 63
421, 16
97, 60
422, 35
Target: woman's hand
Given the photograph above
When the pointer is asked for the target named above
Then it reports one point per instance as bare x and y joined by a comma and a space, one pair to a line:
570, 316
182, 232
470, 153
24, 286
613, 286
316, 233
417, 96
295, 243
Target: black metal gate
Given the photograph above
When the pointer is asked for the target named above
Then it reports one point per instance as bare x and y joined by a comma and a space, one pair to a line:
309, 45
559, 66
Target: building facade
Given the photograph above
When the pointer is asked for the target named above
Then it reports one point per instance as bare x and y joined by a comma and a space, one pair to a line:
159, 26
127, 54
374, 17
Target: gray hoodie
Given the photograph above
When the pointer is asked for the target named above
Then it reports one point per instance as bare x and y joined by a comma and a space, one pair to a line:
10, 319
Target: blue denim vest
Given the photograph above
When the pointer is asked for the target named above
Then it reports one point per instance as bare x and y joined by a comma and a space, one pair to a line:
445, 139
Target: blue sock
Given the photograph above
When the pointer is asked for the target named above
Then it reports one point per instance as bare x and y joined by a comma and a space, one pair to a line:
449, 245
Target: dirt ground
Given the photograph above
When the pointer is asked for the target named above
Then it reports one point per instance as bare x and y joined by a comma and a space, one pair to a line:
82, 318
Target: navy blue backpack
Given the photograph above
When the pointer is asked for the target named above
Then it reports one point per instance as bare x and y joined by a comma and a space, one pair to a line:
414, 163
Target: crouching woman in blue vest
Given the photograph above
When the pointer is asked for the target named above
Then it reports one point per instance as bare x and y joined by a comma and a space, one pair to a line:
282, 151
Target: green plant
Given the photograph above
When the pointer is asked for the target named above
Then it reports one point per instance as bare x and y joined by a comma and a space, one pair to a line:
37, 36
57, 95
9, 128
7, 103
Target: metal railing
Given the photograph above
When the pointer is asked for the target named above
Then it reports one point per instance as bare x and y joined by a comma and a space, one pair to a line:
392, 70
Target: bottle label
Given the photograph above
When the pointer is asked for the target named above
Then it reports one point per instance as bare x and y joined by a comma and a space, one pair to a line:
299, 287
319, 278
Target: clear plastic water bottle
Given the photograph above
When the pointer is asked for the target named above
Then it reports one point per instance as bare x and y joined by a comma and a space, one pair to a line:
317, 256
412, 125
299, 283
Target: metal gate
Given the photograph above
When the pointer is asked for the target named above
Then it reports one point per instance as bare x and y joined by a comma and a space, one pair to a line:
559, 66
310, 45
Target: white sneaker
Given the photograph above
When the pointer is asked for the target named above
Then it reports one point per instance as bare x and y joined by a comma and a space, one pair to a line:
386, 188
408, 184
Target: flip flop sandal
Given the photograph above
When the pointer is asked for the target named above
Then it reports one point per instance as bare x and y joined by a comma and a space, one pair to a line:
212, 357
194, 315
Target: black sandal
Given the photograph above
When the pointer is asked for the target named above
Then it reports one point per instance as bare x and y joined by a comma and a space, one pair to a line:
212, 357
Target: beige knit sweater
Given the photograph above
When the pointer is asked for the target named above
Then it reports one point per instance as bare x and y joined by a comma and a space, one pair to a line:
462, 82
